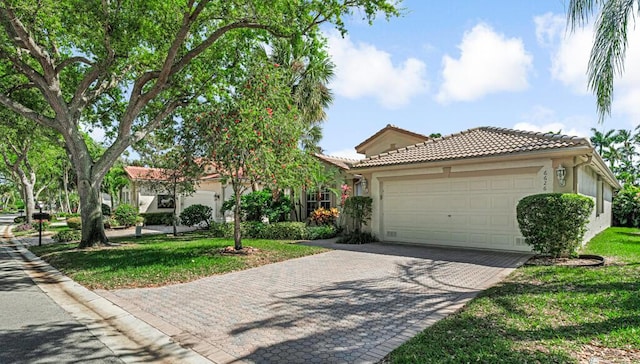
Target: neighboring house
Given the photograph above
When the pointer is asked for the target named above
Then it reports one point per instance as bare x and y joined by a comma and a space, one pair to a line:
462, 190
210, 191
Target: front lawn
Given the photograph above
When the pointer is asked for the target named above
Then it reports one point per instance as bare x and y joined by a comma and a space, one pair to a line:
156, 260
546, 315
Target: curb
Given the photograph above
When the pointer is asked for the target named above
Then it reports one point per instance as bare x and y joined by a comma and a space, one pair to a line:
131, 339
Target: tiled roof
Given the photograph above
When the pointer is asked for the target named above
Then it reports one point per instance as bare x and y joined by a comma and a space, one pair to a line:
157, 174
394, 128
477, 142
344, 163
145, 173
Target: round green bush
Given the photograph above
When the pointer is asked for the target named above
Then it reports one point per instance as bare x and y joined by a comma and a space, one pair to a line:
66, 236
125, 215
554, 223
74, 223
196, 214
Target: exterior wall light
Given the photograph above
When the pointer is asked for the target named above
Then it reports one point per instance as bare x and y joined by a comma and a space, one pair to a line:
561, 173
363, 182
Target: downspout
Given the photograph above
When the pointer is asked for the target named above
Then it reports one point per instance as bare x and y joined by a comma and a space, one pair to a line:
575, 172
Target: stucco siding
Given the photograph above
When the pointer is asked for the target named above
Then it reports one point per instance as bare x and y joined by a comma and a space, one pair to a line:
600, 218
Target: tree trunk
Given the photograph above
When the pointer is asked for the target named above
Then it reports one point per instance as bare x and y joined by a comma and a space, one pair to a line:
175, 206
237, 238
91, 213
28, 185
65, 187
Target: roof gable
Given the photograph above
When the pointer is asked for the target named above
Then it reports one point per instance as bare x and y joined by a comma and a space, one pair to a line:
477, 142
390, 135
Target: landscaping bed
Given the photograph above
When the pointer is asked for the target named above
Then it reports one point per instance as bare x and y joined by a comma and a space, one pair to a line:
546, 314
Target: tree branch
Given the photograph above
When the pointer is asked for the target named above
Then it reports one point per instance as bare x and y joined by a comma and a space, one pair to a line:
28, 113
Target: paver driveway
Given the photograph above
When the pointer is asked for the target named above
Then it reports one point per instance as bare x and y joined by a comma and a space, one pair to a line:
350, 305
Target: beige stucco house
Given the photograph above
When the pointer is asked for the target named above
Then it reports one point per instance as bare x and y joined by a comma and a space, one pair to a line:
210, 192
462, 190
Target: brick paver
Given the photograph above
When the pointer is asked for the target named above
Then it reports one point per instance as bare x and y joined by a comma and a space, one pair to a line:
353, 305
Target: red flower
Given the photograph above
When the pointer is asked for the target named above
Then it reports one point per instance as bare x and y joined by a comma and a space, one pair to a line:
276, 65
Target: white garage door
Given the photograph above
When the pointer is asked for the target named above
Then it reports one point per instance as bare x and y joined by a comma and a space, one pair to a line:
478, 212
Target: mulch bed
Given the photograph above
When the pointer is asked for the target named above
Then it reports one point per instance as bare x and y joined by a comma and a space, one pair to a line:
580, 261
247, 250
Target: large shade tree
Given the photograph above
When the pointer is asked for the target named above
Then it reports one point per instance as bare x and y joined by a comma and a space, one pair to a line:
614, 19
127, 65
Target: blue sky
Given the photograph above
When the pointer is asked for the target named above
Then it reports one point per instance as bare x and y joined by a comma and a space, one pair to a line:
447, 66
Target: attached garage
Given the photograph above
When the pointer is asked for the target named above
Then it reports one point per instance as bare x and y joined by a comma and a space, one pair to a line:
475, 212
462, 190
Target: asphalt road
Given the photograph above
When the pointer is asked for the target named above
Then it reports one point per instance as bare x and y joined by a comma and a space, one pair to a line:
33, 328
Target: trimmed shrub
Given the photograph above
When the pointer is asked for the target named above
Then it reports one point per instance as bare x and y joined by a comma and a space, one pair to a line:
158, 218
221, 230
125, 214
36, 224
554, 223
321, 232
290, 230
357, 237
196, 214
19, 219
67, 236
626, 207
106, 210
74, 223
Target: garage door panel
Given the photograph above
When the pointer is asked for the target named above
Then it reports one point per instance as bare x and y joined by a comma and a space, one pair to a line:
478, 185
476, 212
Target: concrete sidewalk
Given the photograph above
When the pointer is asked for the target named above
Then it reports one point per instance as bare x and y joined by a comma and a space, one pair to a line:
46, 317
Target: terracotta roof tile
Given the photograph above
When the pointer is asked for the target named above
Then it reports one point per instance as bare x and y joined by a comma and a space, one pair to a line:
477, 142
157, 174
344, 163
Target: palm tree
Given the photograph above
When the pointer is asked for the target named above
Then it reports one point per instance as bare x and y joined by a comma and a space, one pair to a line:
610, 43
311, 70
602, 140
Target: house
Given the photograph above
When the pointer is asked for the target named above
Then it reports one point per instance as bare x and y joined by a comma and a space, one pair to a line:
210, 191
462, 190
309, 200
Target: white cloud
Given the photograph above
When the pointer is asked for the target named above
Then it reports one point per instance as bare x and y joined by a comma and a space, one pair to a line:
362, 70
346, 153
489, 63
544, 120
570, 52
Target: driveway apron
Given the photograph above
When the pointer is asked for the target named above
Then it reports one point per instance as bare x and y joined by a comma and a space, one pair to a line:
350, 305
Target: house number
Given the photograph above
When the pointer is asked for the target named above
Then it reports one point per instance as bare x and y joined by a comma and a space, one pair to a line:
544, 180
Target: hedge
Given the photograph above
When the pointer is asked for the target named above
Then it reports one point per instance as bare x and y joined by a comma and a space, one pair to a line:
158, 218
554, 223
277, 231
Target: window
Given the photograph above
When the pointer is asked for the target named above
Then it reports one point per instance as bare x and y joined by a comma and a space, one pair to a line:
317, 199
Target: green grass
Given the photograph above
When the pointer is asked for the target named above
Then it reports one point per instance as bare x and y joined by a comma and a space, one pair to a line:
546, 314
157, 260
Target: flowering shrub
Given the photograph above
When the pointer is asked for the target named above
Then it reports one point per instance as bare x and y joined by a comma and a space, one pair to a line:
23, 227
345, 193
322, 216
36, 224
